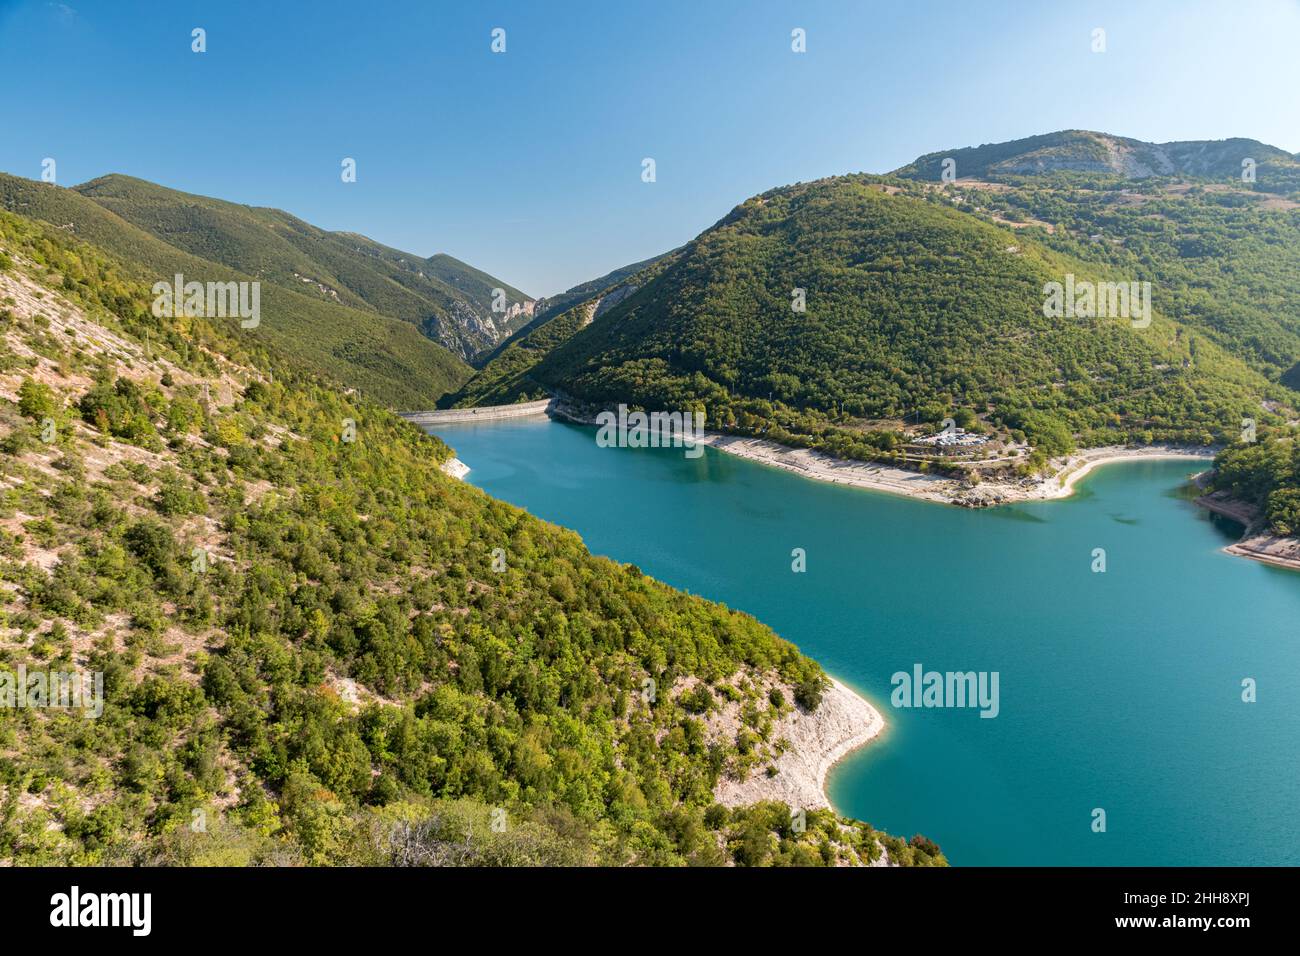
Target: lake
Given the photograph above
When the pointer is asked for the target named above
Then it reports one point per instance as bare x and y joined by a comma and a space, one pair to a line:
1119, 690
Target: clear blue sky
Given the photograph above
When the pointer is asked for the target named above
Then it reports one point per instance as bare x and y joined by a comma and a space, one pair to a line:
528, 164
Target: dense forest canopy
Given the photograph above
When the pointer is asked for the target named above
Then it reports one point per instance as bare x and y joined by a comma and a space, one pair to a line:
1267, 475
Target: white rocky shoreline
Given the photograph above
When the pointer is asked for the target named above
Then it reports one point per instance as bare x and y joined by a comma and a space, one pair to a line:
1068, 471
842, 722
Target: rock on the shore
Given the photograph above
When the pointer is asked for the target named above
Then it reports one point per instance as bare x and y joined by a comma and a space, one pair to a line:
979, 498
456, 468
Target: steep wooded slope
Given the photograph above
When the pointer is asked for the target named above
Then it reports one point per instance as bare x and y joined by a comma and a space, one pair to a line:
320, 648
387, 358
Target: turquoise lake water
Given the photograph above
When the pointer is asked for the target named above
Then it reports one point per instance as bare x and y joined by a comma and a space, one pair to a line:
1119, 690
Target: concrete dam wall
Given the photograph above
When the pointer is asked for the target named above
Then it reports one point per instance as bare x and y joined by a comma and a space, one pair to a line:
484, 413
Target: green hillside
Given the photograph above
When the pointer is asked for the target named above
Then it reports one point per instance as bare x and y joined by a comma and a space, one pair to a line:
1223, 256
449, 301
916, 310
316, 647
474, 284
388, 358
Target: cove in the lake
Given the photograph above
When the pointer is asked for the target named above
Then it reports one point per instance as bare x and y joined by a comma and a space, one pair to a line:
1118, 690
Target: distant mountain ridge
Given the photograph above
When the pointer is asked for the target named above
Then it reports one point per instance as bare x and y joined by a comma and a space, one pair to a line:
387, 357
449, 301
1086, 151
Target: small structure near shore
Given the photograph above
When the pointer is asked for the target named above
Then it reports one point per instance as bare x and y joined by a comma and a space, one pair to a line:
954, 441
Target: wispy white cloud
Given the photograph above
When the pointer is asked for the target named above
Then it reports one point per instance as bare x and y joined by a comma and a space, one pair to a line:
63, 12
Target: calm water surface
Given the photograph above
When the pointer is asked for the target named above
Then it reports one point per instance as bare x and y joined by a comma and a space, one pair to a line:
1119, 690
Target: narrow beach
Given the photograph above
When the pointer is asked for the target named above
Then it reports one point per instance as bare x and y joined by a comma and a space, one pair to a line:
901, 481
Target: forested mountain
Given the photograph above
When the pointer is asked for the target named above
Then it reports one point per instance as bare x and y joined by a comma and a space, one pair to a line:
390, 359
920, 301
451, 302
1224, 247
1084, 151
1222, 258
318, 648
479, 289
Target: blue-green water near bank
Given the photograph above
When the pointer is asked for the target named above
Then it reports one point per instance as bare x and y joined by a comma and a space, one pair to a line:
1119, 690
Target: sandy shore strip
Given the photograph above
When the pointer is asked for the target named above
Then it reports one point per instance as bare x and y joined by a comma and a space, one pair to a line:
1078, 465
841, 471
1257, 542
1268, 549
843, 722
913, 484
891, 479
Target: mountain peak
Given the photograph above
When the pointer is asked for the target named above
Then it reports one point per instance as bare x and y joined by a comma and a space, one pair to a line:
1089, 151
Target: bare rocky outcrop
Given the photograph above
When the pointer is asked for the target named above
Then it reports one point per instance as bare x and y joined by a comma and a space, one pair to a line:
814, 742
455, 468
1257, 542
